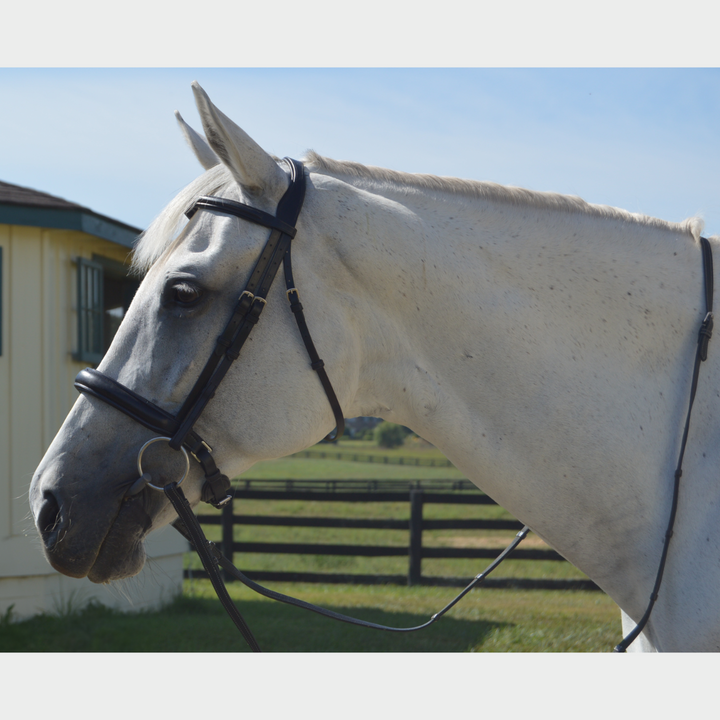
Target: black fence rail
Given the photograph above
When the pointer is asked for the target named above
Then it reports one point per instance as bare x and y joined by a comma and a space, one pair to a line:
351, 456
417, 493
403, 486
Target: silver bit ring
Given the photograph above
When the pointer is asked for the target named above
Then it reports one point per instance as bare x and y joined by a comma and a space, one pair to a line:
139, 462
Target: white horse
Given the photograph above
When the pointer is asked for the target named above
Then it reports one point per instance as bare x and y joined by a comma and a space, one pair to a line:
544, 344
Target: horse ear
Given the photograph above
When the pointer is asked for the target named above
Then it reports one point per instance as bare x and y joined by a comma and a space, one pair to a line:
249, 164
202, 150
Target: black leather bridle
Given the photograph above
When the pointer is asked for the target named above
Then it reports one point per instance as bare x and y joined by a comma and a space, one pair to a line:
178, 430
250, 304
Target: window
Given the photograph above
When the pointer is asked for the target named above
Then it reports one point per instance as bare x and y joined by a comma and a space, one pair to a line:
90, 311
104, 293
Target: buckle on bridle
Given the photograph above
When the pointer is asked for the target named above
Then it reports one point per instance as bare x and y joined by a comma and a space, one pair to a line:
206, 446
223, 502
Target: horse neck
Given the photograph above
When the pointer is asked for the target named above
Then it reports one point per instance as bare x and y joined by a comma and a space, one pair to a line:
540, 350
451, 281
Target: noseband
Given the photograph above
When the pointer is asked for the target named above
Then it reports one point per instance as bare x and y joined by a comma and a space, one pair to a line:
178, 429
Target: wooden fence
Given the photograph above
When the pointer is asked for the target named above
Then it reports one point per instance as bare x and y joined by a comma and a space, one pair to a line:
371, 457
416, 493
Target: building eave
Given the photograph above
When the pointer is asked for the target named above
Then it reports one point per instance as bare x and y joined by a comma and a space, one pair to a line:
78, 218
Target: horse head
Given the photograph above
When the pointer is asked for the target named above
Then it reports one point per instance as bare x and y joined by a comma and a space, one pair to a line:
270, 403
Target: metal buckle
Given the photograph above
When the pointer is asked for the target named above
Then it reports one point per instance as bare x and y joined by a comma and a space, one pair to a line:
139, 462
207, 447
287, 292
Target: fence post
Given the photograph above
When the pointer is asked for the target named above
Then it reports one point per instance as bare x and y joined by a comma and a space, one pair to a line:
415, 550
226, 544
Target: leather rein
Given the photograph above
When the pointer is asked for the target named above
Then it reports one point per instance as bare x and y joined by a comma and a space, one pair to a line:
178, 430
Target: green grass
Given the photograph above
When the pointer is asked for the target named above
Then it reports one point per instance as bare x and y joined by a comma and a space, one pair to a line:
485, 621
412, 447
293, 468
298, 467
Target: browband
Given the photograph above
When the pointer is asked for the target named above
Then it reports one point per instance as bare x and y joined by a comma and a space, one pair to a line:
246, 212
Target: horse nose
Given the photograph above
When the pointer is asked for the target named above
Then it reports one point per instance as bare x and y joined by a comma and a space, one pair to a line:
50, 520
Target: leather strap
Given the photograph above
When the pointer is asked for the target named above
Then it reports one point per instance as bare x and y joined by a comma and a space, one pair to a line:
704, 336
201, 545
92, 382
316, 363
246, 212
189, 527
252, 300
245, 315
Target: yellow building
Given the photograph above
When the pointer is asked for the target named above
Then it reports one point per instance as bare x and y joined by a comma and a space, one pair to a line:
64, 288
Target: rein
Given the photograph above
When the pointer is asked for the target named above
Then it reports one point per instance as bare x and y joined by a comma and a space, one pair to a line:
178, 430
189, 527
700, 356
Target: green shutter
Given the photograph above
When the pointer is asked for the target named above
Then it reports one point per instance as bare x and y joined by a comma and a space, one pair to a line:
90, 311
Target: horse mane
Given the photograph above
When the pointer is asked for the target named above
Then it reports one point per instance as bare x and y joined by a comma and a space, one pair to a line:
162, 234
476, 189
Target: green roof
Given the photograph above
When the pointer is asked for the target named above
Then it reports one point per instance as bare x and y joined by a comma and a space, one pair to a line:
25, 206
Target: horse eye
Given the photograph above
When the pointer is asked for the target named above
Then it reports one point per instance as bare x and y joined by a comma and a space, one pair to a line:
185, 294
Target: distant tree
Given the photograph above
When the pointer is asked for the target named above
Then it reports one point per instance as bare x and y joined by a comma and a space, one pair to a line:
389, 435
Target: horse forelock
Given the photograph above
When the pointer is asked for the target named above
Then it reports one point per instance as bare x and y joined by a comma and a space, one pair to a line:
163, 231
475, 189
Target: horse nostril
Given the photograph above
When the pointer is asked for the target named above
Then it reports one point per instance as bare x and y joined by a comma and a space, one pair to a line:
48, 521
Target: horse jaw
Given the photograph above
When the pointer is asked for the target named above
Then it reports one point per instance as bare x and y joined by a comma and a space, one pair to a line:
253, 168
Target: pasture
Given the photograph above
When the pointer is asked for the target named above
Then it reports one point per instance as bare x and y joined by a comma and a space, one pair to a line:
299, 467
487, 620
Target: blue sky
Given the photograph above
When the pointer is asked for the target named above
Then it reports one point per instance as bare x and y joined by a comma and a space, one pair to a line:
646, 140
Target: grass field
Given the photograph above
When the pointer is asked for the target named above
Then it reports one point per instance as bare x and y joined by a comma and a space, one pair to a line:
466, 568
297, 467
301, 468
487, 620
